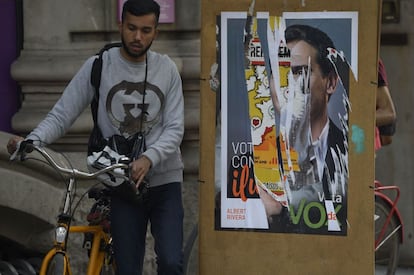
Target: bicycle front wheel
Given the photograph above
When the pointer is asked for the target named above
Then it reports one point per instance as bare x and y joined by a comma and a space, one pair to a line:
58, 265
387, 254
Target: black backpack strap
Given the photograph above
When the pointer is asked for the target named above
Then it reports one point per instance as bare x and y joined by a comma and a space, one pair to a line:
96, 77
96, 142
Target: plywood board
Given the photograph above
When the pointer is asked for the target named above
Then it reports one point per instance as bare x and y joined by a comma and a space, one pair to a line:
254, 250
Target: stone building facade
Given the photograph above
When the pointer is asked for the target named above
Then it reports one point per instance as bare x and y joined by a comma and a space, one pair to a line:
58, 37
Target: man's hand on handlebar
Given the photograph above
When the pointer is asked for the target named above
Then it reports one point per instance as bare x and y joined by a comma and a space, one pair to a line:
139, 169
21, 148
12, 144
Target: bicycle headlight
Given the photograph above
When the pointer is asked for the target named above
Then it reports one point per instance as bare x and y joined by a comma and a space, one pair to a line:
60, 234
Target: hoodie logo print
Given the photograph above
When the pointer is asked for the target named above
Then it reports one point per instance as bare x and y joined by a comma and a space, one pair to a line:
126, 108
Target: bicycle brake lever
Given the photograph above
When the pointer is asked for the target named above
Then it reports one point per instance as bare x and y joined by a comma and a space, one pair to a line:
16, 152
22, 147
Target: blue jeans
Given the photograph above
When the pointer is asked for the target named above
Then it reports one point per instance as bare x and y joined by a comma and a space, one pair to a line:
163, 208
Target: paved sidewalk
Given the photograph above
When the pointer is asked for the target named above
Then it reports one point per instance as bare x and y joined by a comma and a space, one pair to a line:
403, 270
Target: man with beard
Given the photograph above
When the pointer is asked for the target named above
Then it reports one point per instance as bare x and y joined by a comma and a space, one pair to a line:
140, 95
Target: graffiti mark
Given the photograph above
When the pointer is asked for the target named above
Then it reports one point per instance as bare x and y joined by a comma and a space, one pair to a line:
358, 138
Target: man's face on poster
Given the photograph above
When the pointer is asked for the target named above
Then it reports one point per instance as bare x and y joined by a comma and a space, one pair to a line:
320, 86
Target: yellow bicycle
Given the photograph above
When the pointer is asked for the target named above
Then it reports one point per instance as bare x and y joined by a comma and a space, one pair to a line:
56, 261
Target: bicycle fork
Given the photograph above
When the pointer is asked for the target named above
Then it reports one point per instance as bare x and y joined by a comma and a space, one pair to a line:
47, 260
61, 235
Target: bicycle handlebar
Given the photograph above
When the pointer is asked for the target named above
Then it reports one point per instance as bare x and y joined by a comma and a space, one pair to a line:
27, 146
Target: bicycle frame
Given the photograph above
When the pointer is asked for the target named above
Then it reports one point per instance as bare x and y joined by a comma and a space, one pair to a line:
379, 192
96, 257
58, 254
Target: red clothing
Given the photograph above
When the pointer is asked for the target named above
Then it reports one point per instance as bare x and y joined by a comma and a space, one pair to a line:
382, 81
382, 74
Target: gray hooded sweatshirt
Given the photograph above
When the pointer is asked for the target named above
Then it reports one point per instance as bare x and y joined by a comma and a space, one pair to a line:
120, 105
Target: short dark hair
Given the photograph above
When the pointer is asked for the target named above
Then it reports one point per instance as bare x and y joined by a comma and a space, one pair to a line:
317, 39
141, 7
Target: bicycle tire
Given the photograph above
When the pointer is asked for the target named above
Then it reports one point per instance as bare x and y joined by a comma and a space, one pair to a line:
190, 253
57, 265
388, 253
